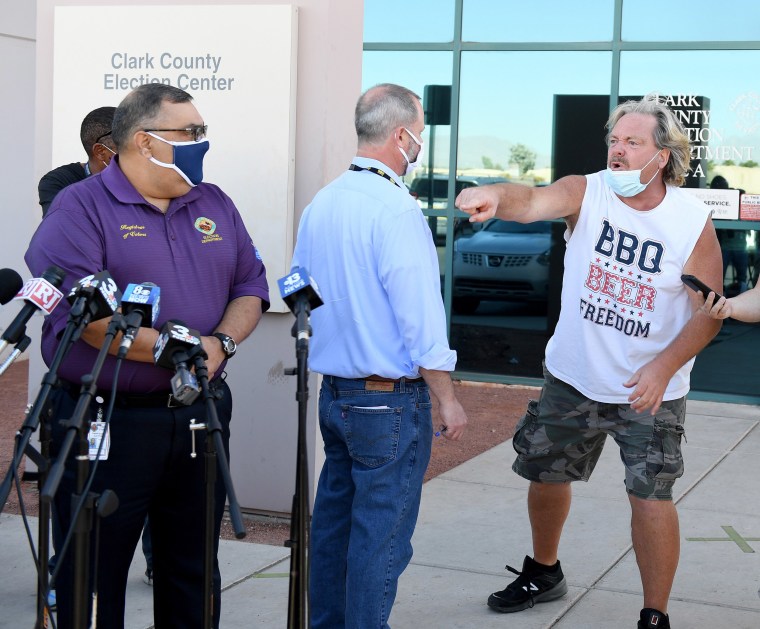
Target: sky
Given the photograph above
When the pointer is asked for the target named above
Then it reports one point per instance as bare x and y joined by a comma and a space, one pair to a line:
509, 94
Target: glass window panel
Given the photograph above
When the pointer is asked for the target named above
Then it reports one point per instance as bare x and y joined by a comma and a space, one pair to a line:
506, 278
537, 21
732, 135
507, 108
722, 367
696, 20
405, 21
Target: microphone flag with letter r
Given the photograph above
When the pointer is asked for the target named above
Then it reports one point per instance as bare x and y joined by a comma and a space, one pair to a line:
39, 293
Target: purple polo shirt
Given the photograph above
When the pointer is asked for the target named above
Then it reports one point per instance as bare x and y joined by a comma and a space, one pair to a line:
199, 254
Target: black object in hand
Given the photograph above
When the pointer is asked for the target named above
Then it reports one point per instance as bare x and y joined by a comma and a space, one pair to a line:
695, 284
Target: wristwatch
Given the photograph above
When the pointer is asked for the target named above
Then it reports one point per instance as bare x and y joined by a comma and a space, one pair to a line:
228, 344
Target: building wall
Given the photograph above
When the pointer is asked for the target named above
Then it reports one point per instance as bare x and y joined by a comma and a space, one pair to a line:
264, 428
17, 192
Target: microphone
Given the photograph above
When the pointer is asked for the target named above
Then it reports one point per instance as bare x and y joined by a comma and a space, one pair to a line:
39, 293
140, 306
10, 284
95, 296
298, 288
175, 346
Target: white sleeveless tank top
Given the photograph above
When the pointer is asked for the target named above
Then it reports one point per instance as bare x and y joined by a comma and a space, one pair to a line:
623, 300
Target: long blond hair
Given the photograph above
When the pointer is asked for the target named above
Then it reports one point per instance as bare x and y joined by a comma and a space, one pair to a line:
668, 134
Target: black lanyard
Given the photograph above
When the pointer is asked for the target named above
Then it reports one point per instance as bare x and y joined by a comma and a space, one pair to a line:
376, 171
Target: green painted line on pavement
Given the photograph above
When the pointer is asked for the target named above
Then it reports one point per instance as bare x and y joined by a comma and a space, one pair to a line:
733, 536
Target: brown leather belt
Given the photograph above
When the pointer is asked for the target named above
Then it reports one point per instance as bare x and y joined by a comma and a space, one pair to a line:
376, 378
380, 383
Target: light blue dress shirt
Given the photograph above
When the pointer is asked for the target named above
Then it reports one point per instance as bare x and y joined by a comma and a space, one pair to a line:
367, 245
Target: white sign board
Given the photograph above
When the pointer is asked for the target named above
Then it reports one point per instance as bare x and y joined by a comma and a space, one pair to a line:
723, 203
239, 64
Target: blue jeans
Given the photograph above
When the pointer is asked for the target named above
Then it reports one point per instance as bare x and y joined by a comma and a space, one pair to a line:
377, 448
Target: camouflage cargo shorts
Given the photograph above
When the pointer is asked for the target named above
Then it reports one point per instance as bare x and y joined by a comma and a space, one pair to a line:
563, 433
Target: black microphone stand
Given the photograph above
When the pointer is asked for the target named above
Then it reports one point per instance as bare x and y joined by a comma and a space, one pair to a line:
82, 525
214, 456
19, 348
77, 321
298, 611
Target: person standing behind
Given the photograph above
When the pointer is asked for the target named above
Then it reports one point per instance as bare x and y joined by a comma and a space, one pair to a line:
95, 134
380, 341
149, 218
619, 361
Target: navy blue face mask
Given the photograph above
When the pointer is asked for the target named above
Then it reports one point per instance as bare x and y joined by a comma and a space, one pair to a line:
188, 159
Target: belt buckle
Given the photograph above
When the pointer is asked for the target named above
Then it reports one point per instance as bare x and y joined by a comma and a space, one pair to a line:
376, 385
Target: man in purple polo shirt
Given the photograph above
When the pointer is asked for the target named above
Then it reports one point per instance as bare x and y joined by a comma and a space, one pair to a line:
148, 218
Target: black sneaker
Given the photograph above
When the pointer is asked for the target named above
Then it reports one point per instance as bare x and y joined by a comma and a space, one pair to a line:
653, 619
533, 585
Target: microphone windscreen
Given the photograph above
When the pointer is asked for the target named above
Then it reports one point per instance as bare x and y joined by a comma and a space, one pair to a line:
42, 292
10, 284
145, 298
299, 284
174, 336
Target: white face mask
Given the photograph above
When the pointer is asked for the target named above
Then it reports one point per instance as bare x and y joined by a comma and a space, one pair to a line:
627, 183
108, 149
410, 166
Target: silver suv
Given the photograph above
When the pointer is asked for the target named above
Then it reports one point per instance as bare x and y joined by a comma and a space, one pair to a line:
504, 261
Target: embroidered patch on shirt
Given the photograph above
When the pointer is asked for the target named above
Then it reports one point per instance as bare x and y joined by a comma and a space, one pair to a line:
133, 231
205, 225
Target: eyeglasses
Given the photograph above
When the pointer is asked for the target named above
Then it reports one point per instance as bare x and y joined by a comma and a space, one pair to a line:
197, 131
99, 138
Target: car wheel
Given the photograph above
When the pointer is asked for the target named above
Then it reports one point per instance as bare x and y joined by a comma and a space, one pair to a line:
465, 305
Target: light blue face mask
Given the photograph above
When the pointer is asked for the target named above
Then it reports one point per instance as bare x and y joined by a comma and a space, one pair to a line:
627, 183
188, 159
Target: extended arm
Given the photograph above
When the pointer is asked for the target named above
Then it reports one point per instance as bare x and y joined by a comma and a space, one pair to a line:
744, 307
524, 204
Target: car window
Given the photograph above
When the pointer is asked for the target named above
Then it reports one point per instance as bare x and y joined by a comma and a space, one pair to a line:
499, 226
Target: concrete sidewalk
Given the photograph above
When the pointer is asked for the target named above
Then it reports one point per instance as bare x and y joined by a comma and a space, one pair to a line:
474, 520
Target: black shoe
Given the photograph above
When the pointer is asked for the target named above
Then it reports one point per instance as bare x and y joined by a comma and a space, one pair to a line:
534, 585
653, 619
148, 576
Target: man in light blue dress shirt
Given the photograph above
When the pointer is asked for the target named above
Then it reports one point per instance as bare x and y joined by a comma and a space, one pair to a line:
380, 341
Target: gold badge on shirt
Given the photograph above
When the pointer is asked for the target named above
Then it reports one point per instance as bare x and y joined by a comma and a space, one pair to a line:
207, 227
